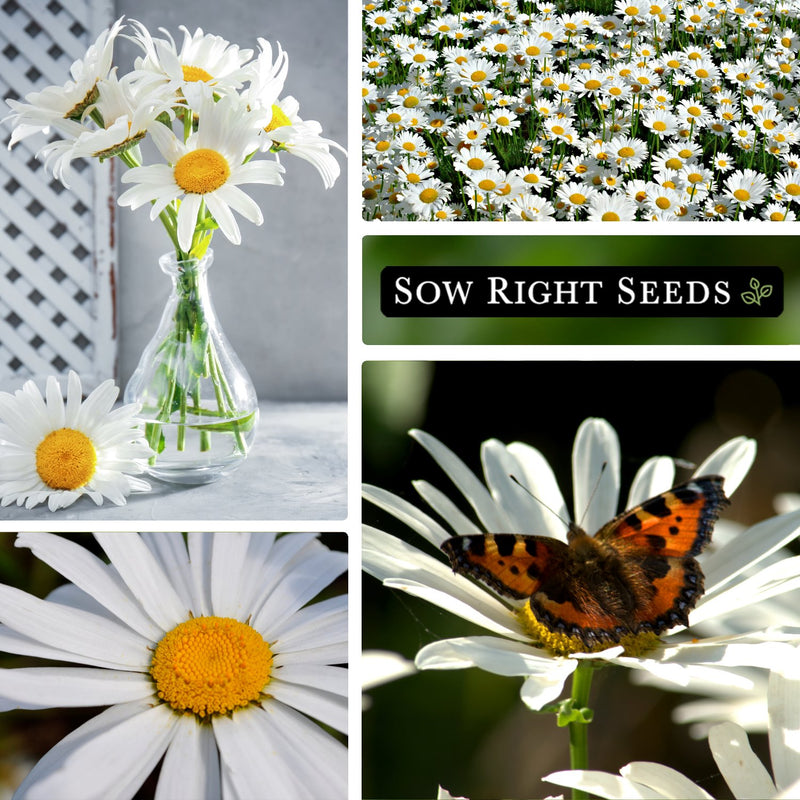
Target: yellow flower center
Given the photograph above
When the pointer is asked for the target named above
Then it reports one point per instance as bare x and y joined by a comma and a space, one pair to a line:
201, 171
577, 199
66, 459
428, 195
610, 216
793, 189
194, 74
279, 120
561, 644
478, 75
475, 163
211, 665
742, 194
626, 152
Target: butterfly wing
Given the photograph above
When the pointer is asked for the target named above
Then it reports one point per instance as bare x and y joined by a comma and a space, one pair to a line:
510, 564
657, 542
675, 524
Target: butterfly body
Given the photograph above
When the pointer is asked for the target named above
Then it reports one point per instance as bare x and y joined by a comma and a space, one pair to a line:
636, 574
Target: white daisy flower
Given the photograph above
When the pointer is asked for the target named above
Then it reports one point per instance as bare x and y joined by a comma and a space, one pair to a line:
506, 507
287, 132
202, 58
56, 452
63, 107
206, 653
205, 170
745, 774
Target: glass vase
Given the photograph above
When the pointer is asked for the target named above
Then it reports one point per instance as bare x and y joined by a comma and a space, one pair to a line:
198, 402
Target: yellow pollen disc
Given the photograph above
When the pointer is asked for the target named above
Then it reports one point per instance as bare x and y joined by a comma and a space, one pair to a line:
66, 459
475, 163
658, 125
694, 111
626, 152
428, 195
776, 216
674, 163
591, 85
383, 146
685, 153
694, 177
201, 171
663, 203
793, 189
410, 102
532, 50
577, 199
478, 75
701, 73
487, 184
610, 216
393, 117
632, 11
720, 209
211, 665
503, 121
742, 194
558, 130
193, 74
561, 644
279, 120
412, 177
769, 124
409, 146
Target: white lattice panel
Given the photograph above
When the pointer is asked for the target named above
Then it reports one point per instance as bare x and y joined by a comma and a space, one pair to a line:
57, 253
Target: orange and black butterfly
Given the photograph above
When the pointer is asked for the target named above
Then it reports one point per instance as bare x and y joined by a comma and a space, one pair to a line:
637, 574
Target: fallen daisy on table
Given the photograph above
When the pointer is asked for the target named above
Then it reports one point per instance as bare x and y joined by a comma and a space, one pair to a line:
208, 652
56, 452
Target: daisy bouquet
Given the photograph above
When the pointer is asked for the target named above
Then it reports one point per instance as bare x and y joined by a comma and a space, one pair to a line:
609, 111
215, 118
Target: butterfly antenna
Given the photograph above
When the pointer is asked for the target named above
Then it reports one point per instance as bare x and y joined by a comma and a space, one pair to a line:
555, 513
594, 492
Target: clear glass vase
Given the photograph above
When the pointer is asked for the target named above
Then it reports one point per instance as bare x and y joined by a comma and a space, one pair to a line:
198, 402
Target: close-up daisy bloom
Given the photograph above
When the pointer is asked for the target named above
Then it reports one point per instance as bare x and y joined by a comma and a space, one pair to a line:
213, 653
205, 171
56, 450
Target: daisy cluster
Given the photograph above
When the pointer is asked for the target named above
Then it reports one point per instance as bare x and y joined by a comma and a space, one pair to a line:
658, 110
210, 107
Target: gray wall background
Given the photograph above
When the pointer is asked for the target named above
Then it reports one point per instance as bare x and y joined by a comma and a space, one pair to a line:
281, 295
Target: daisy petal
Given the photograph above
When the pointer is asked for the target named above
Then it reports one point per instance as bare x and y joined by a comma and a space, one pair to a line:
743, 771
58, 687
191, 764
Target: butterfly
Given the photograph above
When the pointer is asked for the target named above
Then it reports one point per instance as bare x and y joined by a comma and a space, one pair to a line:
637, 574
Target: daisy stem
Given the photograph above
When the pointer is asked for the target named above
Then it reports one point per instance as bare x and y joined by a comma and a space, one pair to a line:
581, 716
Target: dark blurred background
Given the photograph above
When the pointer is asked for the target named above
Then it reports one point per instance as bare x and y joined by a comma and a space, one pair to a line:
466, 729
652, 250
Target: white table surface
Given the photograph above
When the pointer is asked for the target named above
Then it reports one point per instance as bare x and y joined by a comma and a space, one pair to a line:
296, 470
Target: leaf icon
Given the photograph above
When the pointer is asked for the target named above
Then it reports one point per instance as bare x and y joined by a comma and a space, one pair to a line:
750, 298
766, 291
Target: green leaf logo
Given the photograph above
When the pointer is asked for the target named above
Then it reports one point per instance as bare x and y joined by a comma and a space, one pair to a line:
758, 294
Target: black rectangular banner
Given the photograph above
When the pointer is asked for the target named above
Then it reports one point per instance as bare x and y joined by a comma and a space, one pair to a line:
444, 291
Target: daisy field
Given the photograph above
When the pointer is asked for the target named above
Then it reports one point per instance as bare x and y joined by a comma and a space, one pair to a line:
606, 111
